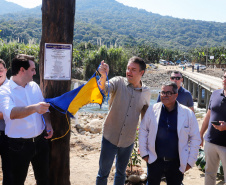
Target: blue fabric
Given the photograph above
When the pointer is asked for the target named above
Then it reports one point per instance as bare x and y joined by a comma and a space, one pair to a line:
169, 168
107, 155
217, 106
184, 97
62, 103
166, 143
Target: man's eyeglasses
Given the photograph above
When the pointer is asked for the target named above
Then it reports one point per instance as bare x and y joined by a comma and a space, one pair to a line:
166, 93
176, 78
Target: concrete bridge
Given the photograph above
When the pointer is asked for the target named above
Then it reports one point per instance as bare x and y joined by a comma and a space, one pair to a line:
201, 86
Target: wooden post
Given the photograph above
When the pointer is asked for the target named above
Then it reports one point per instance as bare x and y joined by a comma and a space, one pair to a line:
57, 27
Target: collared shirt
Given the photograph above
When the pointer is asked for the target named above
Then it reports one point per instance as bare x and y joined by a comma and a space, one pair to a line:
166, 143
13, 95
126, 104
217, 106
187, 130
184, 97
2, 121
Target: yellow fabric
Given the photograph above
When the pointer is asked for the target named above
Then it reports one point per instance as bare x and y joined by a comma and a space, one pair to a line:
89, 93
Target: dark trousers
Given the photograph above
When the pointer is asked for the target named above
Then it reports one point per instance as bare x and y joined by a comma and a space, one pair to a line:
169, 168
7, 178
24, 151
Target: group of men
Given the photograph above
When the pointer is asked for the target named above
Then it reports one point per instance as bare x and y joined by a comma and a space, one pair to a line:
169, 136
25, 124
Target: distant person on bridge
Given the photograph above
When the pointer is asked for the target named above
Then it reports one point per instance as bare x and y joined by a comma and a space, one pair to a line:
129, 98
215, 138
198, 68
184, 96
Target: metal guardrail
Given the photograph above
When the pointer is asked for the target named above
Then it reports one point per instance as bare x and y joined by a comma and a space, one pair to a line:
209, 83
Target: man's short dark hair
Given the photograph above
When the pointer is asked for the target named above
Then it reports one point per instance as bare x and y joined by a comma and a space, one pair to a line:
3, 63
172, 84
139, 61
176, 72
19, 61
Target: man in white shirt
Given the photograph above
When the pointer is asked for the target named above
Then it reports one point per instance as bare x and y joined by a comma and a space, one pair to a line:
26, 117
3, 143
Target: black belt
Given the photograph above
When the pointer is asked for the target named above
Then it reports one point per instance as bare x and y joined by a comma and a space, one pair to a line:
168, 159
33, 139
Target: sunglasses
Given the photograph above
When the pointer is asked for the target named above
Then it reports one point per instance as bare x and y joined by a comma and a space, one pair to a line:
176, 78
166, 93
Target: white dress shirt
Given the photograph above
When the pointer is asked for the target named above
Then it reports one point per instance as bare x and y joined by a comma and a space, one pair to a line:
13, 95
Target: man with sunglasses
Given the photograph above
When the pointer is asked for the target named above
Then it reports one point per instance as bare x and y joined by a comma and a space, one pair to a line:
215, 137
169, 138
184, 96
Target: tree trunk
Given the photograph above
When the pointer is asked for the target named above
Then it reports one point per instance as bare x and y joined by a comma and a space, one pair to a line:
57, 27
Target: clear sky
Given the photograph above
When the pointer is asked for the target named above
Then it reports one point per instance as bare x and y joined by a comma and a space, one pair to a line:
207, 10
27, 3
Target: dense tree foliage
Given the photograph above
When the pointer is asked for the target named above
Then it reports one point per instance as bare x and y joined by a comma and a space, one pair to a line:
89, 56
107, 22
115, 57
10, 50
203, 55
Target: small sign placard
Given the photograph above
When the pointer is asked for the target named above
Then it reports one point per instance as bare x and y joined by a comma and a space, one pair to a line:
211, 57
57, 61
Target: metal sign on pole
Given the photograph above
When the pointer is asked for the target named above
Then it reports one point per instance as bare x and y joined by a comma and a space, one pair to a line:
211, 57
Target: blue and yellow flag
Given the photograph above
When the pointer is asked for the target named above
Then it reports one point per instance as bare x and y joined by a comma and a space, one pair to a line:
72, 101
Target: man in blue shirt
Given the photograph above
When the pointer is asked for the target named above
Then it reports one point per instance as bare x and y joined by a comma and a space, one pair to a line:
215, 145
169, 138
184, 96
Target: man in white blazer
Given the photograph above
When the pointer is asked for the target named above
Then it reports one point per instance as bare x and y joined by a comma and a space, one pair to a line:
169, 138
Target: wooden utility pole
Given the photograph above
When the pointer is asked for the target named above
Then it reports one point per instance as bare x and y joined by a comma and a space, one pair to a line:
57, 27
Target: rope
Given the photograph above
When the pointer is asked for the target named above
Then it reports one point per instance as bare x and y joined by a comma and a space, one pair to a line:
65, 133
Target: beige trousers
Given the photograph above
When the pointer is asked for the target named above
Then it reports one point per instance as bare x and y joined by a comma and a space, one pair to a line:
213, 155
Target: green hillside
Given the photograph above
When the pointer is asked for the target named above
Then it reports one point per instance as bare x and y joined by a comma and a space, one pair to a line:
9, 7
111, 23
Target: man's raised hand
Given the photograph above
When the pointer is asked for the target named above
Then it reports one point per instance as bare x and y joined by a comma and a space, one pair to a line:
103, 69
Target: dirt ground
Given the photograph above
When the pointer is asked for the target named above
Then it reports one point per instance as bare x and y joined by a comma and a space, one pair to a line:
84, 157
85, 149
